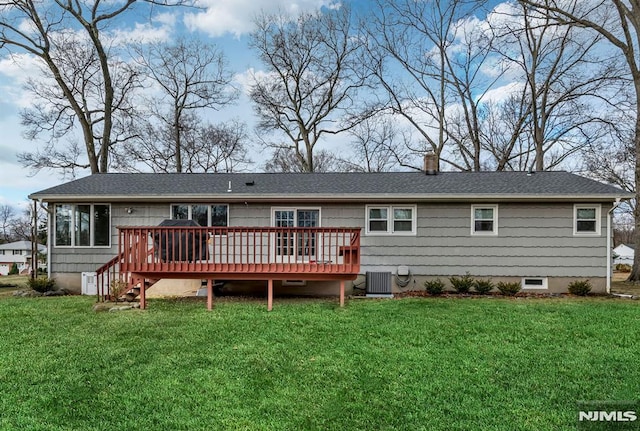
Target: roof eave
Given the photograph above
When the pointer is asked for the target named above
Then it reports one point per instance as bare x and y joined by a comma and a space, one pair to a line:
386, 197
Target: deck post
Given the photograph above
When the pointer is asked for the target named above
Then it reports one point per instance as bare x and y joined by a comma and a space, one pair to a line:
143, 295
341, 293
209, 294
269, 295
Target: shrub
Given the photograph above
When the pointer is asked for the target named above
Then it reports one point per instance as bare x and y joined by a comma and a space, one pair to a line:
483, 286
117, 289
462, 284
14, 269
434, 287
509, 288
623, 267
42, 284
580, 287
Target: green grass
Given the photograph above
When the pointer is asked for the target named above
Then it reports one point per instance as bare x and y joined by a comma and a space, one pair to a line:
9, 283
414, 364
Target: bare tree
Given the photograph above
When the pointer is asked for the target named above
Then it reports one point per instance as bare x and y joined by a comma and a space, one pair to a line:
503, 124
427, 57
612, 159
7, 216
563, 80
205, 147
312, 78
53, 116
218, 148
54, 32
376, 146
618, 22
190, 76
286, 160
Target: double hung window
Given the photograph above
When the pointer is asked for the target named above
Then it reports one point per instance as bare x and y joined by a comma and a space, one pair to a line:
390, 220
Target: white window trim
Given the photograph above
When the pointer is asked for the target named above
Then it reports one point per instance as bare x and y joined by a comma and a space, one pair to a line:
494, 232
598, 209
91, 226
545, 283
390, 220
190, 210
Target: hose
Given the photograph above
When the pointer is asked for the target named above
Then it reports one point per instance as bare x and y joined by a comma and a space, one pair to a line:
403, 282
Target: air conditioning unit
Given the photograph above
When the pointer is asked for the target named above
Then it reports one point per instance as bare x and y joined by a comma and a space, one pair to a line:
89, 283
378, 285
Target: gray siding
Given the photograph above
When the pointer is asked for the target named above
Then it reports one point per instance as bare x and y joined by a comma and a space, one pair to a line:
534, 240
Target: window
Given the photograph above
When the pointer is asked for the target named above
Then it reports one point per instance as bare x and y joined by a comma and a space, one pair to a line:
17, 252
302, 244
391, 220
586, 220
216, 215
484, 219
534, 283
82, 225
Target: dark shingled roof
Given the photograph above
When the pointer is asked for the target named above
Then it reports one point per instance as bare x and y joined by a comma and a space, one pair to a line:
417, 185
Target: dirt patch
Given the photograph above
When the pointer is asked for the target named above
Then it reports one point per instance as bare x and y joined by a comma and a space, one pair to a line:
619, 284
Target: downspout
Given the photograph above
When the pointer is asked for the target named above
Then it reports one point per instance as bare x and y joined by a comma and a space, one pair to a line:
49, 241
609, 217
49, 235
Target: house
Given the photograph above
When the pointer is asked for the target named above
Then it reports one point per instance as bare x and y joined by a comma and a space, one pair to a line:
18, 252
319, 230
624, 254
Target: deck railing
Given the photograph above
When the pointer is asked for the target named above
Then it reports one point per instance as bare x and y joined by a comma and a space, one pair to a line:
239, 250
107, 274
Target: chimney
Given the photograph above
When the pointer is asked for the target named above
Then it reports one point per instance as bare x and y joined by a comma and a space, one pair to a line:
431, 163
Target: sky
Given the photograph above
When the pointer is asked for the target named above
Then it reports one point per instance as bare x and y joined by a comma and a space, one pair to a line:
226, 23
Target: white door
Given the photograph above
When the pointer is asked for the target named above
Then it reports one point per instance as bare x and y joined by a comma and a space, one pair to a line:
301, 245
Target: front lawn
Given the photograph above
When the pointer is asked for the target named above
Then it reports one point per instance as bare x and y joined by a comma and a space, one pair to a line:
414, 364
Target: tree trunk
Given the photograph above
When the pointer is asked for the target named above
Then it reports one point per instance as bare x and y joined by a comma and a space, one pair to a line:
635, 272
178, 141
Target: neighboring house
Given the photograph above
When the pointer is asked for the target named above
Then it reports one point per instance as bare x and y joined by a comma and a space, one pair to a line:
624, 254
18, 252
540, 229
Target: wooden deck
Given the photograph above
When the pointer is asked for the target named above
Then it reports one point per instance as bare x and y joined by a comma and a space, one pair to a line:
233, 253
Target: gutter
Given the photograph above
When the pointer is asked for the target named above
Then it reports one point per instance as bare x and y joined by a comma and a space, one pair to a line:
323, 197
609, 244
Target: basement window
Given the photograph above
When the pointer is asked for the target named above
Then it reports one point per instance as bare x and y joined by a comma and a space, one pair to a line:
534, 283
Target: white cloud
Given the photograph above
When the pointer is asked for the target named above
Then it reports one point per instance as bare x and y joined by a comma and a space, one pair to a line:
19, 67
501, 94
15, 70
246, 79
235, 16
159, 29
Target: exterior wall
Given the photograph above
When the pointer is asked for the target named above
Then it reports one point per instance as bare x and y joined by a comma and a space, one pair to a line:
67, 263
534, 240
625, 255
